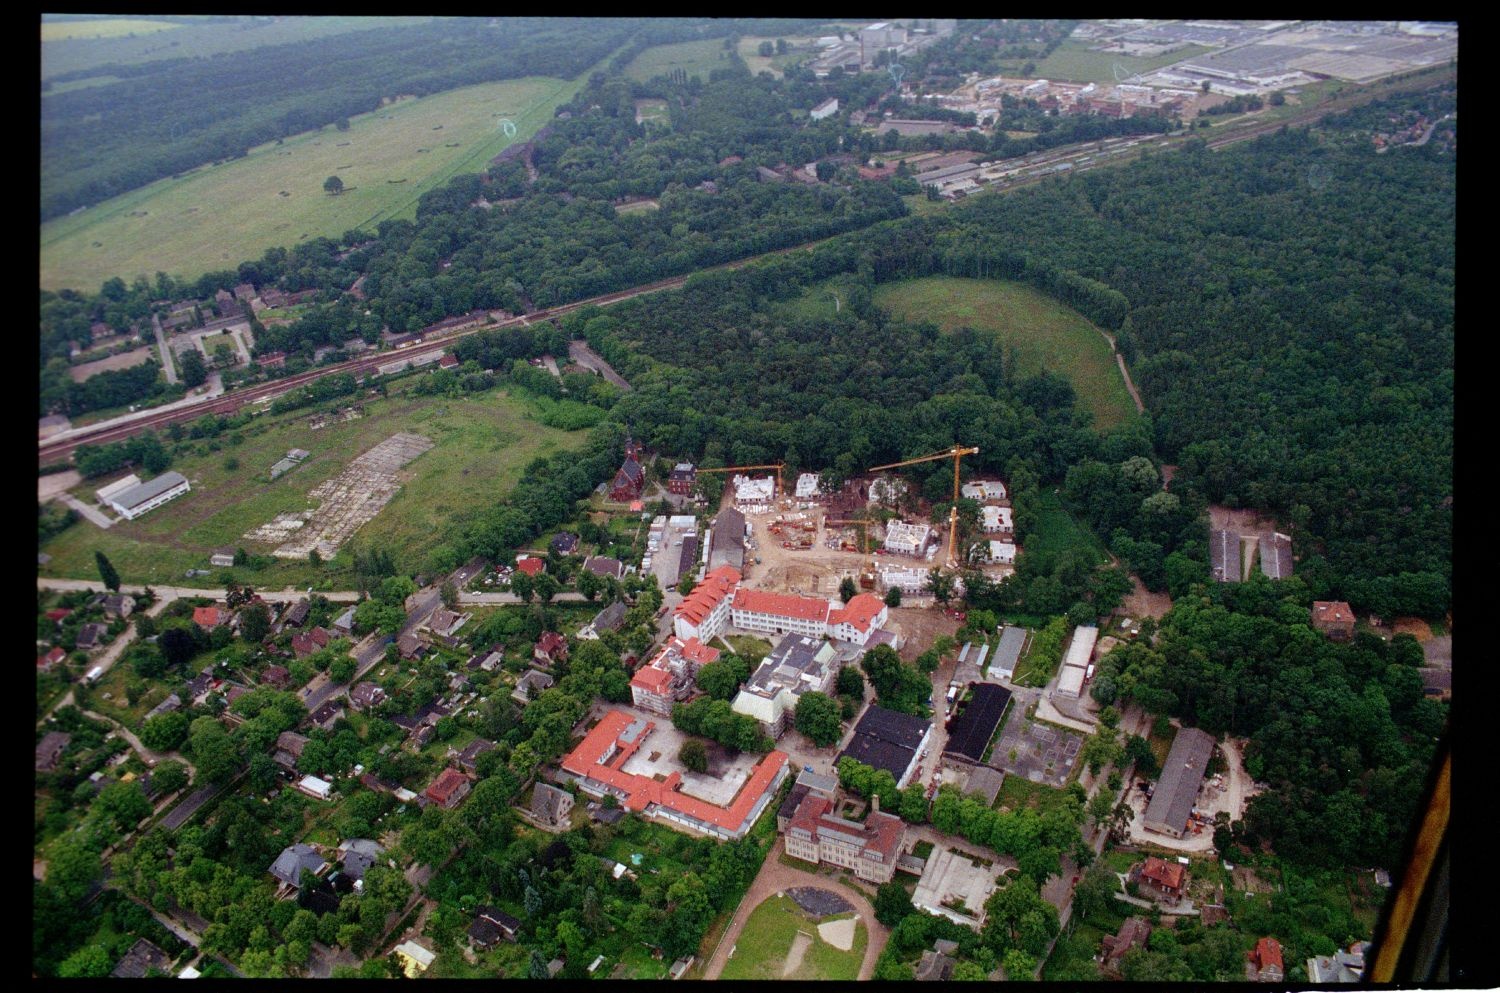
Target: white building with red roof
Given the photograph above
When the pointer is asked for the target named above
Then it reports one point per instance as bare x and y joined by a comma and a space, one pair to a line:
856, 620
671, 676
870, 848
596, 765
705, 611
779, 613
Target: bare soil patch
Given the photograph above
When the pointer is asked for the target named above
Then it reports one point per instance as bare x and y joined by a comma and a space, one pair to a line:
1414, 626
124, 360
794, 957
1141, 602
1243, 520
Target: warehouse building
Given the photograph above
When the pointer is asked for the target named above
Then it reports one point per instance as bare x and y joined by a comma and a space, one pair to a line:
135, 500
886, 739
1177, 788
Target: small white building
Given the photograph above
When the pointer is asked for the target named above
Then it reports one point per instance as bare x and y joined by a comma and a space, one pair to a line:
827, 108
754, 493
315, 787
137, 500
807, 483
902, 538
983, 489
1003, 552
995, 520
908, 581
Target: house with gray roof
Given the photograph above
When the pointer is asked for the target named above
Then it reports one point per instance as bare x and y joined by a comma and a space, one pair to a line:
530, 686
1177, 788
608, 619
143, 497
294, 860
171, 703
358, 854
50, 749
550, 805
289, 745
91, 636
468, 759
143, 958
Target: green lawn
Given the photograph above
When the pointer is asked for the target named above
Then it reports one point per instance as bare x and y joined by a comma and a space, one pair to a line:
482, 444
697, 58
1073, 62
1018, 792
217, 216
748, 646
1044, 333
749, 49
767, 938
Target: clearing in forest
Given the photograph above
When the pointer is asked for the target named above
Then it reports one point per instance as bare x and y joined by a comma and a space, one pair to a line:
696, 58
1044, 333
217, 216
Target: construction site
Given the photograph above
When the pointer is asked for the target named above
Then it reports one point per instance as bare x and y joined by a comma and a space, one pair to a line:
345, 502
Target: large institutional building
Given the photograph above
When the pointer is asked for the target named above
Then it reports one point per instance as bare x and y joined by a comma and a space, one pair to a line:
705, 612
870, 848
671, 676
798, 665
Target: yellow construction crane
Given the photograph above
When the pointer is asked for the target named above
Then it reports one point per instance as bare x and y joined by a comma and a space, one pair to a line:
739, 468
955, 453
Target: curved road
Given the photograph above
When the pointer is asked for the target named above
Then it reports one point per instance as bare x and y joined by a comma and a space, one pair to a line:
774, 878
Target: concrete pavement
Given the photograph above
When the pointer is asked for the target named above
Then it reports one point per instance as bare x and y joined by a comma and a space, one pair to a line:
91, 513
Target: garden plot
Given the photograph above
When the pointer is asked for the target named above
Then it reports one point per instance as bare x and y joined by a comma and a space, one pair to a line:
347, 501
1036, 751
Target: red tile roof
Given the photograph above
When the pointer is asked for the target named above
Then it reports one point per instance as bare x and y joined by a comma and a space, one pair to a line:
1332, 612
531, 566
1164, 873
58, 614
781, 605
642, 791
860, 611
207, 617
550, 643
51, 658
443, 787
697, 652
1267, 952
653, 680
707, 594
881, 832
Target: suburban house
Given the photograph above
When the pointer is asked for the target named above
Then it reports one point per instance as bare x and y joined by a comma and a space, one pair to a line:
886, 739
1333, 618
779, 613
410, 647
682, 478
293, 861
209, 618
289, 745
608, 619
414, 958
564, 543
936, 964
445, 623
142, 959
344, 625
603, 565
297, 613
277, 677
91, 636
1263, 962
490, 926
550, 805
671, 676
1167, 878
119, 605
50, 749
531, 565
46, 662
366, 696
318, 789
596, 766
449, 788
356, 855
1177, 788
550, 647
530, 686
798, 665
1133, 934
816, 835
222, 558
468, 758
705, 612
305, 643
325, 716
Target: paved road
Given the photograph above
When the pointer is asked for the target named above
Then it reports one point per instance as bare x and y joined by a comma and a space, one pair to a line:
92, 513
511, 598
775, 878
168, 366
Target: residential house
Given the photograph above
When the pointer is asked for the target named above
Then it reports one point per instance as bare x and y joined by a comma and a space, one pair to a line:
119, 605
344, 625
91, 636
366, 696
490, 926
305, 643
49, 750
325, 716
296, 614
45, 663
295, 860
143, 959
902, 538
1263, 962
609, 619
171, 703
410, 647
671, 676
684, 475
449, 788
209, 618
856, 620
530, 686
468, 758
1167, 878
550, 805
603, 565
996, 520
414, 958
276, 676
531, 565
1000, 552
1334, 619
705, 612
550, 647
870, 848
289, 746
488, 661
936, 964
445, 624
318, 789
356, 855
983, 489
1343, 966
1133, 934
564, 543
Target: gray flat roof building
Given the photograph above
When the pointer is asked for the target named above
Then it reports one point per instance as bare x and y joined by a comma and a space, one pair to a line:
1177, 788
153, 493
1224, 553
727, 542
1276, 556
1007, 653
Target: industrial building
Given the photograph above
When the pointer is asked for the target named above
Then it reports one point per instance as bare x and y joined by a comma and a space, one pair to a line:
1177, 787
971, 732
1276, 556
1075, 664
727, 541
798, 665
1007, 653
131, 498
1224, 553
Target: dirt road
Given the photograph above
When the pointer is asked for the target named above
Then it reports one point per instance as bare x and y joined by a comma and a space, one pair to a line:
774, 878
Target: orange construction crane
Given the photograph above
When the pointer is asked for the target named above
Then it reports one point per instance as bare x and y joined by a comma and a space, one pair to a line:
955, 453
739, 468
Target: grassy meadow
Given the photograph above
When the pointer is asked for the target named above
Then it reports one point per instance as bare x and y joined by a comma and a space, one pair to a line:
698, 58
1072, 61
767, 938
1044, 333
482, 445
109, 27
218, 216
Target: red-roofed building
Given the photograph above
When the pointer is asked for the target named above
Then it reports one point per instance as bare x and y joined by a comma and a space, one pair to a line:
629, 480
1263, 962
596, 766
816, 835
861, 617
209, 618
1334, 618
705, 611
550, 647
58, 614
305, 643
450, 787
46, 662
670, 677
779, 613
1166, 877
448, 362
531, 566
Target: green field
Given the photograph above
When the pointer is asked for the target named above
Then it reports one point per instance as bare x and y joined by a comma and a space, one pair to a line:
697, 58
767, 938
483, 443
1072, 61
749, 49
218, 216
1044, 333
1058, 531
102, 28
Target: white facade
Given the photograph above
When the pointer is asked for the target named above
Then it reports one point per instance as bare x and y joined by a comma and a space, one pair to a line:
754, 492
313, 786
909, 581
984, 489
1001, 551
119, 486
902, 538
827, 108
996, 519
773, 623
843, 630
131, 505
1082, 645
707, 628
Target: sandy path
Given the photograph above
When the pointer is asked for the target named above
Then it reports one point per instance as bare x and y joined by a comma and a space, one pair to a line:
794, 956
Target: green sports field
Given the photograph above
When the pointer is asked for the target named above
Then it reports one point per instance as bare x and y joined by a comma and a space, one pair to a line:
483, 442
1043, 332
218, 216
761, 951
